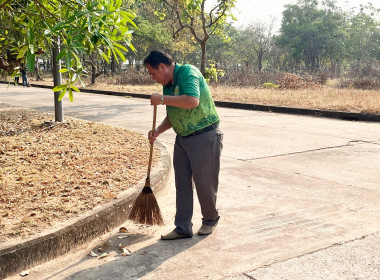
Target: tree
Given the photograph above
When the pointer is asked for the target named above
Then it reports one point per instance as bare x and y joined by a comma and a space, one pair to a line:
152, 31
72, 25
364, 35
312, 34
192, 15
258, 38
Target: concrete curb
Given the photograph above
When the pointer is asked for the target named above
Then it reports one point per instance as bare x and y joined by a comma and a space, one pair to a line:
348, 116
19, 257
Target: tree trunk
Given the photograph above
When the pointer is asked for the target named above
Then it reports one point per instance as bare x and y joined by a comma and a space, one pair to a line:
113, 66
260, 55
204, 58
93, 73
58, 108
93, 69
37, 70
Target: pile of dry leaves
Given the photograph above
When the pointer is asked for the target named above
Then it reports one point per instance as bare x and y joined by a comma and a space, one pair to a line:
52, 171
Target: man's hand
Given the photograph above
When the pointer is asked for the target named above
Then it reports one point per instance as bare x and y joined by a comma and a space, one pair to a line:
152, 136
165, 125
155, 99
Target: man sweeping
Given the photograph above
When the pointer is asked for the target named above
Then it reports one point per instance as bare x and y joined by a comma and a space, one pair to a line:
191, 113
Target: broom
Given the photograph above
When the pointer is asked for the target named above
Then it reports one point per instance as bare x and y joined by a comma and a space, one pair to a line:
145, 209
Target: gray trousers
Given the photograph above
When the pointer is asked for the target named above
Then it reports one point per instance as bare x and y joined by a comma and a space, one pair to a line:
196, 159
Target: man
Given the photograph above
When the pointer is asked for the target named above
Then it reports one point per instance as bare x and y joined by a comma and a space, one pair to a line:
24, 77
191, 113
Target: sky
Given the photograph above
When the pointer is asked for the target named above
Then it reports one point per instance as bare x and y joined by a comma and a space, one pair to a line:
249, 11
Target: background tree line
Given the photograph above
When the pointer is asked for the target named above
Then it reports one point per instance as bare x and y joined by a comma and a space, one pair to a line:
317, 38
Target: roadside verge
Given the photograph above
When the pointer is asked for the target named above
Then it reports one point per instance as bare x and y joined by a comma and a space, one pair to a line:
348, 116
15, 258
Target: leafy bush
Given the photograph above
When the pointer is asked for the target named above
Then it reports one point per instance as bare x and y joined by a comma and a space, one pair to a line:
245, 76
128, 77
212, 73
363, 75
322, 77
292, 81
270, 85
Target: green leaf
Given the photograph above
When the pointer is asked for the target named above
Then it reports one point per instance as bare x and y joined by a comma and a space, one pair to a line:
30, 61
61, 54
130, 46
121, 55
58, 26
62, 94
76, 57
83, 85
74, 88
131, 22
89, 20
68, 60
120, 47
115, 56
104, 56
118, 4
60, 87
22, 52
91, 6
64, 70
127, 14
71, 95
74, 78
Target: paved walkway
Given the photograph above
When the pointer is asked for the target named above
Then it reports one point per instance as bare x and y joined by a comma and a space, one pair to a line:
299, 199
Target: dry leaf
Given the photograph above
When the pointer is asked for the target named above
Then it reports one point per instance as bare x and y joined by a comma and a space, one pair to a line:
103, 256
92, 254
24, 273
122, 236
126, 252
55, 171
123, 230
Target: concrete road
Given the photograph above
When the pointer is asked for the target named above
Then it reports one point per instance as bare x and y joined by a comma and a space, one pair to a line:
299, 199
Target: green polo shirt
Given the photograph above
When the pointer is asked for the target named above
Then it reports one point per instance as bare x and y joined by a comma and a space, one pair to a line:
188, 80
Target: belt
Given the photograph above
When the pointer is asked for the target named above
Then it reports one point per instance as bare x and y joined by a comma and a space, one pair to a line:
203, 130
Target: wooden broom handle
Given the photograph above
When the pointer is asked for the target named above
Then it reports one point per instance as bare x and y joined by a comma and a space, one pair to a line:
151, 144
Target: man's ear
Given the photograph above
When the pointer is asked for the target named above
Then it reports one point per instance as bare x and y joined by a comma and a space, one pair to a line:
162, 67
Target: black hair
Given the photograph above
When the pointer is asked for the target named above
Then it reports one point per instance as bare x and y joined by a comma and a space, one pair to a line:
157, 57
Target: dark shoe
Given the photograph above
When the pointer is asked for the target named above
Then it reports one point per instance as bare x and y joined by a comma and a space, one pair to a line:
206, 229
173, 235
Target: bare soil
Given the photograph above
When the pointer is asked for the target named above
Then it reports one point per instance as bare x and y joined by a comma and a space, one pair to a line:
50, 172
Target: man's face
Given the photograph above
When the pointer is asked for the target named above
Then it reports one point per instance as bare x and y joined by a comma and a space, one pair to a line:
160, 75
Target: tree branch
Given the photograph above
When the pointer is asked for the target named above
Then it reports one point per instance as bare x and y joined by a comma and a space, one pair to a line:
5, 3
44, 8
212, 22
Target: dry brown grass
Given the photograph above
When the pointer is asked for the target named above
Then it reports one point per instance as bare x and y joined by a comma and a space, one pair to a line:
50, 172
323, 98
326, 98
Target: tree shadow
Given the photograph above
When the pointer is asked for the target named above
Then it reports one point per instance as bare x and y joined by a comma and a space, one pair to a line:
99, 112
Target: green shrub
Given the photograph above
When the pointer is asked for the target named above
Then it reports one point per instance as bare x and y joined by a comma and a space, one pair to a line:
212, 73
270, 85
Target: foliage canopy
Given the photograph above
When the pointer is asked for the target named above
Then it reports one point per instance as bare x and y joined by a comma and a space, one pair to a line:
30, 27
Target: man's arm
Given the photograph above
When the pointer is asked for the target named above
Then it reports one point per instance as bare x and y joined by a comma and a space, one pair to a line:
181, 101
165, 125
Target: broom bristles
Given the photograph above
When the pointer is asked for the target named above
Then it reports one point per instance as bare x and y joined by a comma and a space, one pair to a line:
145, 210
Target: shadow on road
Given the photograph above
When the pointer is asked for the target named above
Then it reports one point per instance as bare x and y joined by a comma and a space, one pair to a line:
139, 263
